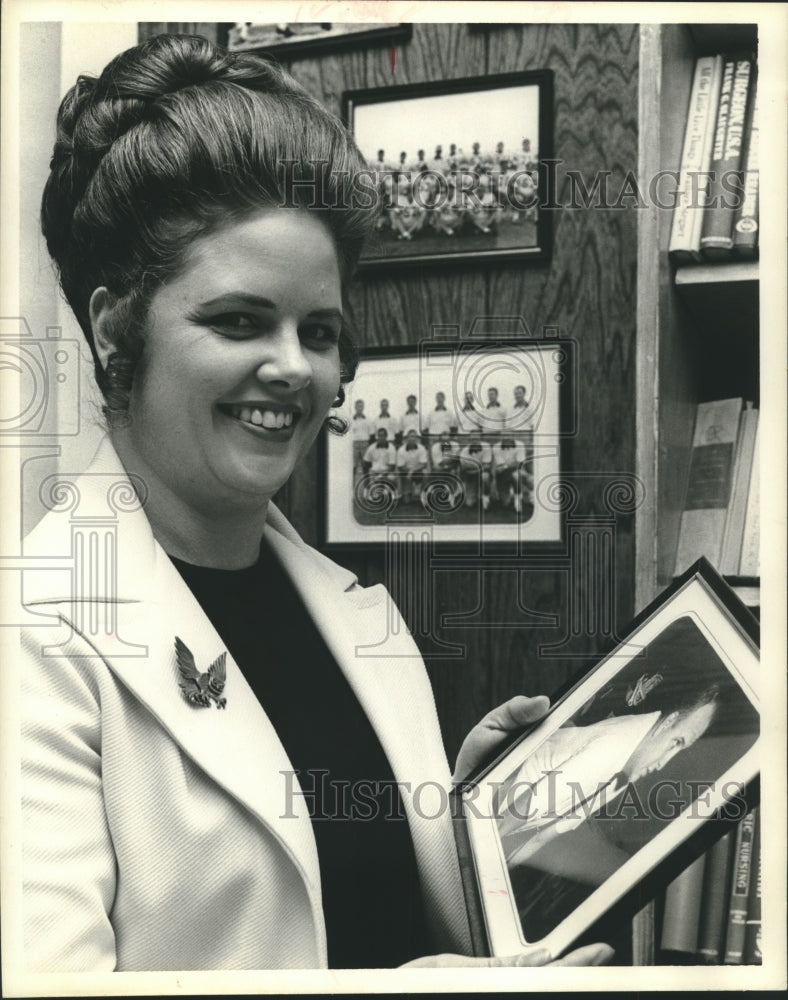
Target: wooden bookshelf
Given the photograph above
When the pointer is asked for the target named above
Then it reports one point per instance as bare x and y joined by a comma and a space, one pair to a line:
697, 328
722, 274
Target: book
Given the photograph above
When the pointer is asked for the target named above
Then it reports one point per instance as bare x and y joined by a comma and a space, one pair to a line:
684, 245
715, 216
714, 904
586, 816
752, 934
644, 934
733, 534
681, 916
750, 562
725, 183
709, 483
740, 890
746, 217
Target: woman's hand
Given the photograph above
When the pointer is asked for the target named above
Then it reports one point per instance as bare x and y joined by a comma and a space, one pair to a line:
494, 728
592, 954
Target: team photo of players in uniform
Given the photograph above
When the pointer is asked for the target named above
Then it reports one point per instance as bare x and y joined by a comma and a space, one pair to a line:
478, 455
454, 167
464, 435
453, 192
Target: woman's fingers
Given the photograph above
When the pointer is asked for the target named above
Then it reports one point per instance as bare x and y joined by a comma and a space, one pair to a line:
517, 712
592, 954
449, 961
493, 729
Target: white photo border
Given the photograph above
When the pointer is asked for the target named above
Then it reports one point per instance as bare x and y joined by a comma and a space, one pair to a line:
544, 366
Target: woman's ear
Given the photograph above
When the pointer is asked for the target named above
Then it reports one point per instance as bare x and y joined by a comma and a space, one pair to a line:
102, 305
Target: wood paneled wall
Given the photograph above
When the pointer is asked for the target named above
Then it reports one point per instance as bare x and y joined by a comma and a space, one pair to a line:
587, 291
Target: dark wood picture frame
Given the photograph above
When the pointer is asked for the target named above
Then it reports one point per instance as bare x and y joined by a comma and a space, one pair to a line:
695, 643
477, 204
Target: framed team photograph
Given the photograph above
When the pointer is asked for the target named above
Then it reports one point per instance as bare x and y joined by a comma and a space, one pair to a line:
297, 39
652, 748
462, 438
458, 169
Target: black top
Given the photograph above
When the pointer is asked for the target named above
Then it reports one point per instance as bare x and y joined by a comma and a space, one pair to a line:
371, 899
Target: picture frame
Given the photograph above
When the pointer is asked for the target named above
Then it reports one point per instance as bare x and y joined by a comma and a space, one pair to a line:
552, 852
459, 170
302, 39
497, 467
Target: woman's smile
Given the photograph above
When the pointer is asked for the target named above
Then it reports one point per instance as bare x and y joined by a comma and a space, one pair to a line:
264, 417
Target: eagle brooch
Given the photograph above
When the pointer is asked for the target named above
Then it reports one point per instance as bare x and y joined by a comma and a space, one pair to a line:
200, 689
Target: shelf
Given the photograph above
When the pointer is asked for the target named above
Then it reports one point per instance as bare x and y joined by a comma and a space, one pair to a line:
717, 274
698, 340
748, 590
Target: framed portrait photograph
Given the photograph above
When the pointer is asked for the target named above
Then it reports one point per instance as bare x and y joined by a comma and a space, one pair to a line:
458, 169
460, 437
295, 39
659, 739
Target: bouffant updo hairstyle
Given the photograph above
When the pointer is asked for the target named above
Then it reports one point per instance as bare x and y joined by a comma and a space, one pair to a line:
176, 138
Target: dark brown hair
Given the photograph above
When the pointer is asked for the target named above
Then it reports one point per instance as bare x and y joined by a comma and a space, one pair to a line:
176, 138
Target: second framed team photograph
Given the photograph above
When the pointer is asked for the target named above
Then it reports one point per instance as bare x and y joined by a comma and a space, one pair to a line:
462, 438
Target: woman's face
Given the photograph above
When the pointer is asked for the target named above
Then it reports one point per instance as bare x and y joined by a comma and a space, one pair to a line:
241, 362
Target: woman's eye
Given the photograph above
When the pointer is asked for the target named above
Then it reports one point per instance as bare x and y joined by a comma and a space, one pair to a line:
235, 324
319, 335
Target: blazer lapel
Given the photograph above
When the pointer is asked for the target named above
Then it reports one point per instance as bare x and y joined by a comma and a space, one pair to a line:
381, 662
368, 639
236, 746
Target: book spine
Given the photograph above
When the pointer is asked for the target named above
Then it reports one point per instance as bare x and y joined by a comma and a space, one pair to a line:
740, 891
682, 909
709, 483
715, 216
750, 563
746, 218
726, 169
752, 937
714, 905
737, 508
695, 157
644, 934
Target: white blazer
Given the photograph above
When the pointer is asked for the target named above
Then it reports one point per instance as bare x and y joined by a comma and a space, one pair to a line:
156, 834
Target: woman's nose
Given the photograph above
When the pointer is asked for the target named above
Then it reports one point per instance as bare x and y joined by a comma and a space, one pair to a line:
285, 362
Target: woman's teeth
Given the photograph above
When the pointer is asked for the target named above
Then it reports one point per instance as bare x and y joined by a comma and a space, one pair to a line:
272, 421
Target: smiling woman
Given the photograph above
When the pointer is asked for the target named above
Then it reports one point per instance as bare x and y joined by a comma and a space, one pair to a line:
205, 657
241, 366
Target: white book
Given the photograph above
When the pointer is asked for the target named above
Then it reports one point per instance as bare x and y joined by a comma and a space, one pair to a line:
737, 508
751, 542
709, 482
696, 158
